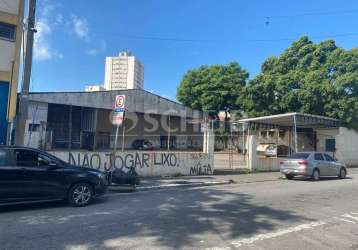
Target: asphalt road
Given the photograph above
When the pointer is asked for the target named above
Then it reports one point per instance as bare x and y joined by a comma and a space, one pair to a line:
265, 215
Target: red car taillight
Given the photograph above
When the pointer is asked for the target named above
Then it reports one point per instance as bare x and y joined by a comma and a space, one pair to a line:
303, 162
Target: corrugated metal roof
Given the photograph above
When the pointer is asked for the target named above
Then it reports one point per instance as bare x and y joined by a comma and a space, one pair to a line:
288, 119
137, 100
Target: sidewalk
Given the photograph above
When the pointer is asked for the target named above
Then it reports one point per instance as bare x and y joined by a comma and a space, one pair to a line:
197, 181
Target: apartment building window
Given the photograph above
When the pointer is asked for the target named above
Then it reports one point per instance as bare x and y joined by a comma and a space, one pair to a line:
7, 32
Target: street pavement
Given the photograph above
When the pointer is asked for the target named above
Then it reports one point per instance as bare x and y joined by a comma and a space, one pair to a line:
273, 214
194, 181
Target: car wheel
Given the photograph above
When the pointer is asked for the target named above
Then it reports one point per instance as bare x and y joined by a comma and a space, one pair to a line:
80, 194
342, 173
316, 175
289, 177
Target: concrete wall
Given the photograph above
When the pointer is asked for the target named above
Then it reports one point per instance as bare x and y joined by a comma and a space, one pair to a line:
7, 55
37, 115
267, 164
147, 164
257, 164
347, 146
10, 6
323, 134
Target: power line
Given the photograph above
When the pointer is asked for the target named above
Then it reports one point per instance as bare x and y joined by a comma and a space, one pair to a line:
120, 36
320, 13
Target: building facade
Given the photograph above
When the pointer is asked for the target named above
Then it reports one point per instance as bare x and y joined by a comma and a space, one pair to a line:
82, 121
94, 88
11, 16
123, 72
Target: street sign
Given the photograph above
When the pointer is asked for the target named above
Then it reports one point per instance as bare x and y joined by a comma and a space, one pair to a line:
118, 118
118, 114
120, 102
119, 110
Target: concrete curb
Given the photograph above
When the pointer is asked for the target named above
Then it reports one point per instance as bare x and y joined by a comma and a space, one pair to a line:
174, 185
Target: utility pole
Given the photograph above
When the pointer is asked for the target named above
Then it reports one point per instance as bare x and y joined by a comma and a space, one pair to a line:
23, 108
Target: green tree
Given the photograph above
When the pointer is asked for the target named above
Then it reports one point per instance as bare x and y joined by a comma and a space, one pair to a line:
213, 88
311, 78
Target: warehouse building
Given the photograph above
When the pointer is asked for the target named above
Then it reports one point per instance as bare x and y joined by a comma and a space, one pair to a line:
82, 121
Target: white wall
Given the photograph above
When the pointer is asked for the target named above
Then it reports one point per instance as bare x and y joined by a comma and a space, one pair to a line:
7, 52
322, 135
347, 146
10, 6
7, 48
147, 164
37, 113
131, 73
108, 74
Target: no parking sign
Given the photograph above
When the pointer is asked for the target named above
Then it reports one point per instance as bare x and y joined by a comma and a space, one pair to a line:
120, 102
119, 108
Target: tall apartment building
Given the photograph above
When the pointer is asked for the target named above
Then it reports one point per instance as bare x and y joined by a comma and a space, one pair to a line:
11, 18
123, 72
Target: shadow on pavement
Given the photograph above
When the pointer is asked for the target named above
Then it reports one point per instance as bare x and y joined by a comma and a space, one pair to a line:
169, 219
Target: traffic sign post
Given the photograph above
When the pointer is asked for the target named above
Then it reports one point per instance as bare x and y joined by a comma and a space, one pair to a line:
118, 117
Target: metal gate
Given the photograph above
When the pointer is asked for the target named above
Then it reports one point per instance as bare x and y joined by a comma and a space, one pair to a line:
230, 146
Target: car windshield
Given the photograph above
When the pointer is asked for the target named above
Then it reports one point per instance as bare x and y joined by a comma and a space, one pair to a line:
299, 156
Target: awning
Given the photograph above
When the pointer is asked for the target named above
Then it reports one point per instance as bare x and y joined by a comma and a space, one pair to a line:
292, 119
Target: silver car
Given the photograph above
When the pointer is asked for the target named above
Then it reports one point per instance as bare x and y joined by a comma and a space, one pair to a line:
312, 164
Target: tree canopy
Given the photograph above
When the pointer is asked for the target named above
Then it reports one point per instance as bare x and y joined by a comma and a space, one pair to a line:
213, 88
310, 78
319, 79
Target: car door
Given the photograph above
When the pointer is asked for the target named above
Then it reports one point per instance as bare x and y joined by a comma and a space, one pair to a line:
333, 167
321, 164
11, 178
42, 178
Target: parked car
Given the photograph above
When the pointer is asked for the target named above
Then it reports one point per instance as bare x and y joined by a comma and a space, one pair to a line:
262, 147
312, 164
283, 150
142, 144
277, 150
31, 175
271, 150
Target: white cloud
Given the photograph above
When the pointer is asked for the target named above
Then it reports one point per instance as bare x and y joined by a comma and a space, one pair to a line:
59, 18
49, 20
96, 51
80, 27
42, 47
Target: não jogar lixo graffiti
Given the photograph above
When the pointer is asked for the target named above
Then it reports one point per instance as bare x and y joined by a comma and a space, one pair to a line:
130, 160
145, 163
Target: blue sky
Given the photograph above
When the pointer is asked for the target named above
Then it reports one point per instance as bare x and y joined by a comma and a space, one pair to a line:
172, 36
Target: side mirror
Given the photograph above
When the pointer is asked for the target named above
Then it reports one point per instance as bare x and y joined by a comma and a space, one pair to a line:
53, 164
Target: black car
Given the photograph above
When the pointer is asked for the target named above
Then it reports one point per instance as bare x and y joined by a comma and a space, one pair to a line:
142, 144
31, 175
